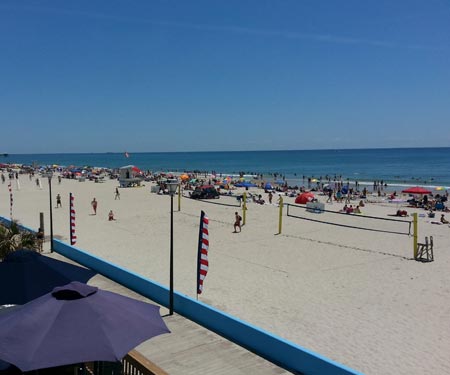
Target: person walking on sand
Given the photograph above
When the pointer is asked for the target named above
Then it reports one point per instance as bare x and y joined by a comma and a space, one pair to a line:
58, 201
237, 222
94, 206
270, 197
330, 196
117, 196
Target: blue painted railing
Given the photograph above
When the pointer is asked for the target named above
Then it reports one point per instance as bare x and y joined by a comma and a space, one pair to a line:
281, 352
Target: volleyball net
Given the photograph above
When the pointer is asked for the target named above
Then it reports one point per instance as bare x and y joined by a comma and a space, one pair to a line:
353, 221
223, 200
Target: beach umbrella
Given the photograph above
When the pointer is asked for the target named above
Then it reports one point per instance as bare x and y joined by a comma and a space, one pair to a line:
76, 323
268, 186
184, 177
416, 190
26, 275
304, 198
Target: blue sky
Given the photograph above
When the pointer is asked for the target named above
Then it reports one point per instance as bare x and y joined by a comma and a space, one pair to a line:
162, 75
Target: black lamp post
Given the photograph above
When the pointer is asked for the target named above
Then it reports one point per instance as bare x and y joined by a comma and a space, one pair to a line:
49, 175
172, 187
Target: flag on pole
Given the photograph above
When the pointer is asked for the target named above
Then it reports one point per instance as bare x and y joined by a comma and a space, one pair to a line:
73, 237
10, 200
203, 245
127, 155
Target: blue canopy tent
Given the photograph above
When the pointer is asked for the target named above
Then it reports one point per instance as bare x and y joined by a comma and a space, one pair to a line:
245, 184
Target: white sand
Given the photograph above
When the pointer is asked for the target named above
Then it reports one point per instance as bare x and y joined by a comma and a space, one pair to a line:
353, 296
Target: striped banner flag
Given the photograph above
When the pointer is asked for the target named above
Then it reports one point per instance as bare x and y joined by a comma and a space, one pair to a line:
73, 237
10, 200
203, 245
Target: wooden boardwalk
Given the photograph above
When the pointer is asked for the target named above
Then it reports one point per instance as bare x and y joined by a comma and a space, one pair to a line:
190, 348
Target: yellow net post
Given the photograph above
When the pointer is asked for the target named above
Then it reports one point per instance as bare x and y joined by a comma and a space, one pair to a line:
244, 209
280, 221
415, 235
179, 197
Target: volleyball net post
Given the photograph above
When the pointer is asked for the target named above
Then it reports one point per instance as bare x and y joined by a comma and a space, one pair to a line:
280, 219
179, 197
415, 234
244, 208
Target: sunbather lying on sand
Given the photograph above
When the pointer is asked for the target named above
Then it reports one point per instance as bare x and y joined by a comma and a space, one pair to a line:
401, 213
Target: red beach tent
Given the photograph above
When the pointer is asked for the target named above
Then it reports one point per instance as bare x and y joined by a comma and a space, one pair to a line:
304, 198
416, 190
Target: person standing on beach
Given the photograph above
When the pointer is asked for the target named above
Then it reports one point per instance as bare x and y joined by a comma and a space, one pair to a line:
58, 201
237, 222
270, 197
117, 196
330, 196
94, 206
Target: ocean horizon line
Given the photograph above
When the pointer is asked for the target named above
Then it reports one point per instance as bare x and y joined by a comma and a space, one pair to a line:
230, 151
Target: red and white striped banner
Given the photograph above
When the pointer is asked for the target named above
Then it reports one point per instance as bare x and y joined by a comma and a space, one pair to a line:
73, 237
203, 245
10, 200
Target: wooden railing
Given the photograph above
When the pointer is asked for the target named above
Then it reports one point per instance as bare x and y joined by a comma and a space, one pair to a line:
134, 363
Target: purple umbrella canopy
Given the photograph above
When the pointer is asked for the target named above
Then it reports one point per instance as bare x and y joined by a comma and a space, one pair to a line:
76, 323
29, 275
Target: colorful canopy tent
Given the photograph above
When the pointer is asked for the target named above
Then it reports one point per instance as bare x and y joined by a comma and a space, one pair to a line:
416, 190
304, 198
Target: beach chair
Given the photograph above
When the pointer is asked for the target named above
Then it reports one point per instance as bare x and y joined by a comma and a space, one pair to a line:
425, 251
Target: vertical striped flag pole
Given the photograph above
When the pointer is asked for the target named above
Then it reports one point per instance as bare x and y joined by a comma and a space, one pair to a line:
203, 245
10, 200
73, 237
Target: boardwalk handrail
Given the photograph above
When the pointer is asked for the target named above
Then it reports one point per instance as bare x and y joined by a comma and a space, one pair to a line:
134, 363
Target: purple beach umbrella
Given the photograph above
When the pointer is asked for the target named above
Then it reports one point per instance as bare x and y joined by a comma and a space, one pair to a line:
26, 275
76, 323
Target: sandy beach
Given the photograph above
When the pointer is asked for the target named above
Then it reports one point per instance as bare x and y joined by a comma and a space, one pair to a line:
354, 296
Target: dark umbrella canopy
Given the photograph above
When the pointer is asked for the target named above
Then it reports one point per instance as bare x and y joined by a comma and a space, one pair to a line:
76, 323
26, 275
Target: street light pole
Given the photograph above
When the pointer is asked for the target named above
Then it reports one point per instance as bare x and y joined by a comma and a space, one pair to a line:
171, 257
50, 175
172, 187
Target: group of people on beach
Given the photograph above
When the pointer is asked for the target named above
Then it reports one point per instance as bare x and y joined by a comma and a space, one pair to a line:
94, 204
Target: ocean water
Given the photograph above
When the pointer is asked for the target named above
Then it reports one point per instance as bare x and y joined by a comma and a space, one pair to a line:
396, 167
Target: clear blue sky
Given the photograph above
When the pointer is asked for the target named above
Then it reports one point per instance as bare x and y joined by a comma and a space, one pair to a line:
188, 75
